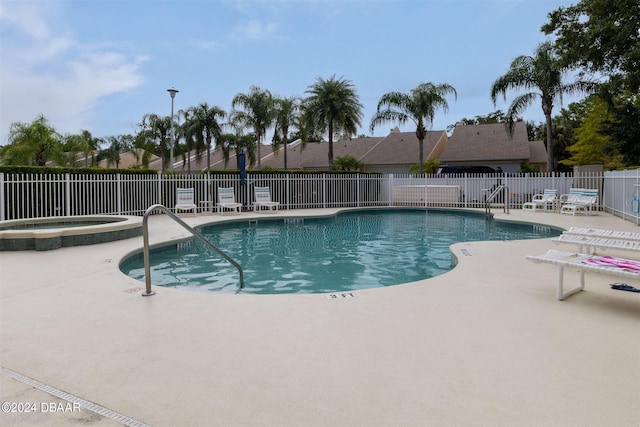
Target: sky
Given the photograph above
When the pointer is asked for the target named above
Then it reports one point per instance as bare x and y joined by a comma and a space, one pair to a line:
101, 65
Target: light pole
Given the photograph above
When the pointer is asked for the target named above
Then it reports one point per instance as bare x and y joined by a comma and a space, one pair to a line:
172, 92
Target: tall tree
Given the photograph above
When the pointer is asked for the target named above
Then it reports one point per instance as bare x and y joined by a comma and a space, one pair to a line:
602, 36
72, 146
158, 129
117, 145
624, 128
543, 72
257, 112
286, 116
230, 141
563, 135
91, 146
332, 107
419, 106
32, 143
590, 144
144, 147
202, 125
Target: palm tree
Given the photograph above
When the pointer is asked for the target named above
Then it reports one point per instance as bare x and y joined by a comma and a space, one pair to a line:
419, 106
258, 112
32, 143
72, 146
201, 124
286, 115
158, 129
543, 72
347, 163
332, 106
143, 147
237, 141
117, 145
91, 145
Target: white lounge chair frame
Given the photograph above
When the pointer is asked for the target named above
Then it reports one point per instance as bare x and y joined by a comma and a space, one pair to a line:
589, 242
185, 201
610, 234
545, 201
579, 261
263, 200
227, 200
579, 200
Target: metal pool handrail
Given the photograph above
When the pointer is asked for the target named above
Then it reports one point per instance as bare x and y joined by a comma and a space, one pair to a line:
145, 237
489, 198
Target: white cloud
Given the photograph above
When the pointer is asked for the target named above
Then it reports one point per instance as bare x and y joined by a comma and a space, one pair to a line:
254, 30
29, 18
44, 70
206, 44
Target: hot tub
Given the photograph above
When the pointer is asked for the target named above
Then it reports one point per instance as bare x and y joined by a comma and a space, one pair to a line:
43, 234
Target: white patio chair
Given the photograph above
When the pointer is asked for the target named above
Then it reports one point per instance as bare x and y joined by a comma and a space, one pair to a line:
185, 201
227, 200
263, 200
544, 201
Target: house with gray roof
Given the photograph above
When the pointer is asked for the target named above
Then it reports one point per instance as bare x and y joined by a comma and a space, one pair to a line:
490, 145
394, 153
470, 145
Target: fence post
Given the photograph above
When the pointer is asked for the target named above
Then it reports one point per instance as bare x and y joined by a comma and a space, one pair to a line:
465, 191
209, 191
159, 188
287, 186
425, 196
2, 204
119, 193
324, 190
67, 195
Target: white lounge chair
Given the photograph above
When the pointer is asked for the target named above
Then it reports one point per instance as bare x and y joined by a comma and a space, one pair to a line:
586, 263
263, 200
185, 201
579, 200
227, 200
597, 232
588, 244
545, 201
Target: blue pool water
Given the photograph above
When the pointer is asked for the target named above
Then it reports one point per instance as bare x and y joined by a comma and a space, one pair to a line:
346, 252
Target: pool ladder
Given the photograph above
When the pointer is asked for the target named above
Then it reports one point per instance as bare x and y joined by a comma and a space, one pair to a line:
500, 189
145, 237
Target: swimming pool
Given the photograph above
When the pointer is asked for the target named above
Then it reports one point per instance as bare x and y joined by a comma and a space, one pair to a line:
341, 253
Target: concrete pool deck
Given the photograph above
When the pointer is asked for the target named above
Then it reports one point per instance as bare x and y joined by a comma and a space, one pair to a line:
486, 344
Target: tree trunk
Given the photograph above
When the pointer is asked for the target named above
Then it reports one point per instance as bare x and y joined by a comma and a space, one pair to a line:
331, 145
549, 144
259, 138
421, 153
285, 153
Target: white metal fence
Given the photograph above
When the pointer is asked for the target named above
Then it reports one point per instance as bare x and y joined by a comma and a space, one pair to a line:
31, 196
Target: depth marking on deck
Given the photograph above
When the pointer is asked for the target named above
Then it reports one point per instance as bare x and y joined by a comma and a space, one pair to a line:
465, 252
93, 407
341, 295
